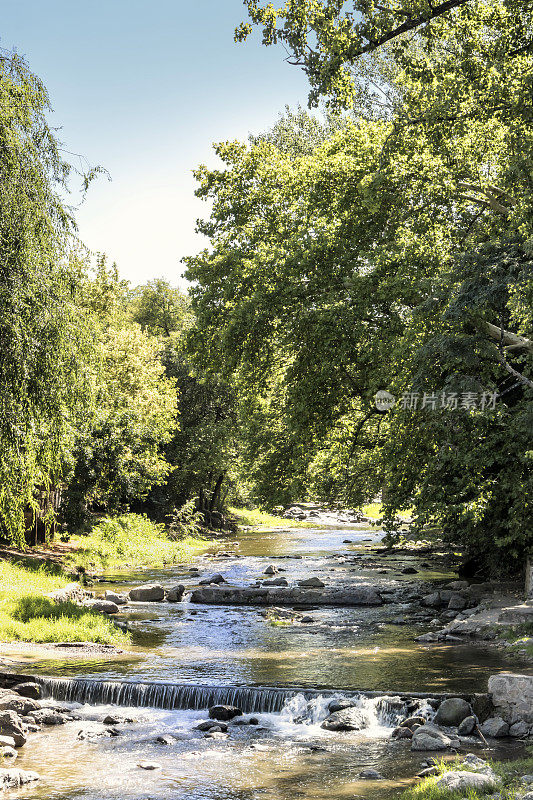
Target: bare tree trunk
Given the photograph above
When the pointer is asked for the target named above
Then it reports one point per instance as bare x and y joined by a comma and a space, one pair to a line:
529, 578
216, 492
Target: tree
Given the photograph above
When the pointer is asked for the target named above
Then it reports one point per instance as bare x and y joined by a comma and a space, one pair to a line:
43, 345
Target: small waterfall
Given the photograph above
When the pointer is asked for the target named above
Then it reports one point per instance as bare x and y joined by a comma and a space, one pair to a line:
305, 704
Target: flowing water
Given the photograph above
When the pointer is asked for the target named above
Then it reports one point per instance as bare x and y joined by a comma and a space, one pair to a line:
188, 657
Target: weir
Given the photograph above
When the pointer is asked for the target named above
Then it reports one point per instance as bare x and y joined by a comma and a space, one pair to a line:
184, 696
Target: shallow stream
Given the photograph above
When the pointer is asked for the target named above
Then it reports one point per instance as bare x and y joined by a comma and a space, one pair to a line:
287, 754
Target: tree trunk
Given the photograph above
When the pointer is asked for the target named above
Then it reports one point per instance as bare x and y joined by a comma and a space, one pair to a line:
529, 578
216, 492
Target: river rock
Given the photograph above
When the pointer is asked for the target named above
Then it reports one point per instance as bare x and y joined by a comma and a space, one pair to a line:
215, 734
113, 597
72, 592
412, 722
8, 753
102, 606
7, 741
217, 578
462, 781
207, 724
340, 705
495, 727
175, 593
347, 719
519, 730
286, 596
150, 592
452, 712
29, 689
11, 725
13, 778
512, 696
48, 716
371, 775
467, 726
432, 600
428, 737
270, 570
276, 582
9, 701
149, 765
312, 583
224, 712
166, 740
402, 733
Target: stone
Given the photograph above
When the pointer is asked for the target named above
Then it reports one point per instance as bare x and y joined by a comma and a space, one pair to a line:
149, 593
174, 594
113, 597
517, 615
428, 737
463, 781
72, 592
270, 570
402, 733
276, 582
428, 772
527, 780
166, 740
457, 586
216, 579
362, 595
495, 727
452, 712
208, 724
8, 752
340, 705
7, 741
519, 730
482, 706
456, 602
111, 719
13, 778
149, 765
215, 735
102, 606
432, 600
224, 712
467, 726
312, 583
512, 697
29, 689
47, 716
347, 719
410, 722
409, 571
9, 701
12, 726
307, 620
371, 775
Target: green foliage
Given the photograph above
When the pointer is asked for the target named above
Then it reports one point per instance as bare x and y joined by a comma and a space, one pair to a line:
185, 521
43, 343
27, 615
131, 540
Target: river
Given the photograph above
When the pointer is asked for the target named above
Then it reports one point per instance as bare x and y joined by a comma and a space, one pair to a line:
287, 754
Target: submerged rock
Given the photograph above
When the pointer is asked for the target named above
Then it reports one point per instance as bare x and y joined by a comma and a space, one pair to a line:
428, 737
149, 765
371, 775
286, 596
13, 778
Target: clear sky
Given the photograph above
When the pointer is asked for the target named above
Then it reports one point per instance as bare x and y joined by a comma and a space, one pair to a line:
143, 89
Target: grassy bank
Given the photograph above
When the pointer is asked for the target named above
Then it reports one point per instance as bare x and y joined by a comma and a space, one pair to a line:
509, 772
27, 615
130, 541
254, 518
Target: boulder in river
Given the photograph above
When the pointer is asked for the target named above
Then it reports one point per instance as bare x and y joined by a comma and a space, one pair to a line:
149, 592
348, 719
452, 712
113, 597
371, 775
467, 726
216, 578
11, 725
270, 570
49, 716
29, 689
429, 737
9, 753
9, 701
175, 593
102, 606
224, 712
207, 724
340, 705
495, 727
13, 778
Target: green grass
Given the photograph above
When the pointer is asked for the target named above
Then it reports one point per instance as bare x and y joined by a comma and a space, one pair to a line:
255, 518
372, 510
508, 771
27, 615
130, 541
518, 635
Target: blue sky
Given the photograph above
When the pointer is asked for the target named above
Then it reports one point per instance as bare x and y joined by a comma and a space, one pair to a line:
143, 88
